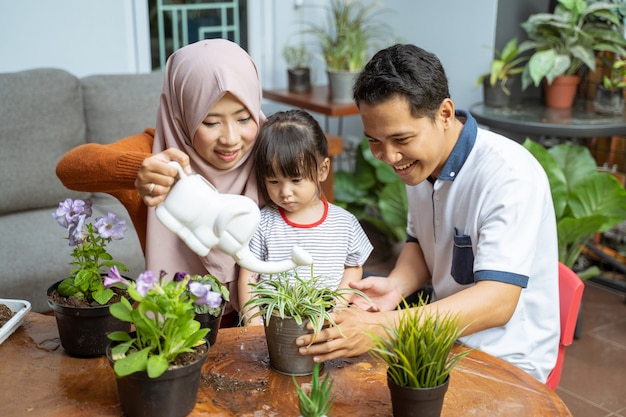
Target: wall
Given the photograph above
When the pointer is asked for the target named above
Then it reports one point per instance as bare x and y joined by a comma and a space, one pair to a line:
81, 36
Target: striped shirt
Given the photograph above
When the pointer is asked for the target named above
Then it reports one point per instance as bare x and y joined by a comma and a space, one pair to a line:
335, 241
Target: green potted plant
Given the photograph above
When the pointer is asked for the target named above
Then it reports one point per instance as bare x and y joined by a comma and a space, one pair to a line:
418, 353
565, 40
80, 301
505, 65
315, 399
298, 61
586, 201
349, 36
374, 193
609, 97
287, 303
158, 365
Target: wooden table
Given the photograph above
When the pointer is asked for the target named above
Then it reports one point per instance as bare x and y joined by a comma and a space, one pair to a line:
38, 379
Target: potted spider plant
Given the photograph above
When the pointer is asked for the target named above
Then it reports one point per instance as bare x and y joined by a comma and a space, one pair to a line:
314, 398
298, 68
287, 303
417, 351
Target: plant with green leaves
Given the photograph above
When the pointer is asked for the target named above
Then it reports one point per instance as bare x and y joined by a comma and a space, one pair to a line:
296, 56
286, 294
315, 400
586, 201
617, 75
506, 64
373, 193
418, 349
351, 32
211, 283
563, 41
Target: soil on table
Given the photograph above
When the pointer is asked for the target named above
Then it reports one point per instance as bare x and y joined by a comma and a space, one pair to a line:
81, 302
5, 314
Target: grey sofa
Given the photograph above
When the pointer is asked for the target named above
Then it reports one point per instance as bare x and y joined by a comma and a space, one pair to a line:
43, 114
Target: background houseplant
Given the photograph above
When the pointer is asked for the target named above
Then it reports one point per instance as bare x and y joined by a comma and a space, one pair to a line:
374, 193
417, 351
351, 33
287, 303
586, 201
314, 399
609, 96
158, 366
298, 61
505, 65
79, 301
563, 41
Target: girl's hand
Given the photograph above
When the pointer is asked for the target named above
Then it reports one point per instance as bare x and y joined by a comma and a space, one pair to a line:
155, 176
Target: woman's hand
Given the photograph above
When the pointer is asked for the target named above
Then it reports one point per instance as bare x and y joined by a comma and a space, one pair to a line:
155, 176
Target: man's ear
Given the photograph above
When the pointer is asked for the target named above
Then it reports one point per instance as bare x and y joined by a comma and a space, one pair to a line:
324, 169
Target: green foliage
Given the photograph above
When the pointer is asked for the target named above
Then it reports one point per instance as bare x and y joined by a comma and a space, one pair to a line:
418, 349
350, 34
216, 286
318, 401
586, 201
296, 56
617, 75
568, 38
373, 193
506, 64
289, 295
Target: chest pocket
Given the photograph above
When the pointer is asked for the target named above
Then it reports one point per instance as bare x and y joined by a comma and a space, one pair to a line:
462, 259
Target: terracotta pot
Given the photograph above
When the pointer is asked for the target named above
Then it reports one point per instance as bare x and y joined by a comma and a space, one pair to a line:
281, 335
83, 330
173, 394
417, 402
212, 322
562, 92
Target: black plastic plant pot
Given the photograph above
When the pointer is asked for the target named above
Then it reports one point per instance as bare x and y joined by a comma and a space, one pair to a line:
83, 330
206, 320
417, 402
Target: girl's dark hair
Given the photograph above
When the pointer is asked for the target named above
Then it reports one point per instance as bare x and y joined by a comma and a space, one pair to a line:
290, 144
403, 71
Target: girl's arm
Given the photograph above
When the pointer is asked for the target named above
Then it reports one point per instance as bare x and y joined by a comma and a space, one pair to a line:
246, 277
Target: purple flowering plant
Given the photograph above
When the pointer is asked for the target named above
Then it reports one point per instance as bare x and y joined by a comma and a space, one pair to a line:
164, 319
89, 255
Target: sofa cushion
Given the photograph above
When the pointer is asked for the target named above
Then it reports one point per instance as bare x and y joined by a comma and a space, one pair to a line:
110, 99
41, 118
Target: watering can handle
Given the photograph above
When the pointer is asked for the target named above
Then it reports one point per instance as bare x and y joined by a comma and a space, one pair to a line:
179, 168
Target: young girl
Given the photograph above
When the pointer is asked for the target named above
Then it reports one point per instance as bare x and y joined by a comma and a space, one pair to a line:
208, 118
291, 160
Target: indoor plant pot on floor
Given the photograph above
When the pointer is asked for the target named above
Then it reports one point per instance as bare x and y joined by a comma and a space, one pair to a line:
81, 302
158, 366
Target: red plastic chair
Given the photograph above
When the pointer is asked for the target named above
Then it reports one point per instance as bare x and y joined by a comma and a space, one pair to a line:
570, 292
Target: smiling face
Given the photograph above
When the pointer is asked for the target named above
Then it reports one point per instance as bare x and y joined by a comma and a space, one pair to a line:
414, 147
226, 134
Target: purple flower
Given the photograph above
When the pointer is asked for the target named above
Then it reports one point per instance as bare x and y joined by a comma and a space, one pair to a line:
110, 227
76, 230
205, 295
70, 210
114, 277
179, 276
145, 281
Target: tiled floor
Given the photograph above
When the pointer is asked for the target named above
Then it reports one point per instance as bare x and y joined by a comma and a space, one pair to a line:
593, 382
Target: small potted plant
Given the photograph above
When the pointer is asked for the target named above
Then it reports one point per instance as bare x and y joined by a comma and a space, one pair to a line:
298, 68
80, 301
563, 41
417, 351
609, 97
347, 39
209, 315
287, 303
158, 365
505, 65
315, 399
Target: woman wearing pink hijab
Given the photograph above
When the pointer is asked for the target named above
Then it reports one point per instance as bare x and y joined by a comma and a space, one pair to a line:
208, 118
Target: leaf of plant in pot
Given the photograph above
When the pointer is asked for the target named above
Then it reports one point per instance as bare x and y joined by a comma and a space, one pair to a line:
505, 65
315, 399
563, 41
418, 353
287, 304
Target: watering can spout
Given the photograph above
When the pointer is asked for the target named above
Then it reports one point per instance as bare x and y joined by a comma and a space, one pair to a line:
204, 218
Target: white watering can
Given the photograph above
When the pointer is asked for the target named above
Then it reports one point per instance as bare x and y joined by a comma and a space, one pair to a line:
203, 218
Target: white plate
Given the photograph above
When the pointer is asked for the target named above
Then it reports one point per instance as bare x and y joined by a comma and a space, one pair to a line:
20, 308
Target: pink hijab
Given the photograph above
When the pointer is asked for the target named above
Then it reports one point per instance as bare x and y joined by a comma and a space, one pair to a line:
196, 77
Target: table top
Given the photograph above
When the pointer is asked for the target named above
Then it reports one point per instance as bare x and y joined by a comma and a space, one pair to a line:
38, 379
318, 100
531, 117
